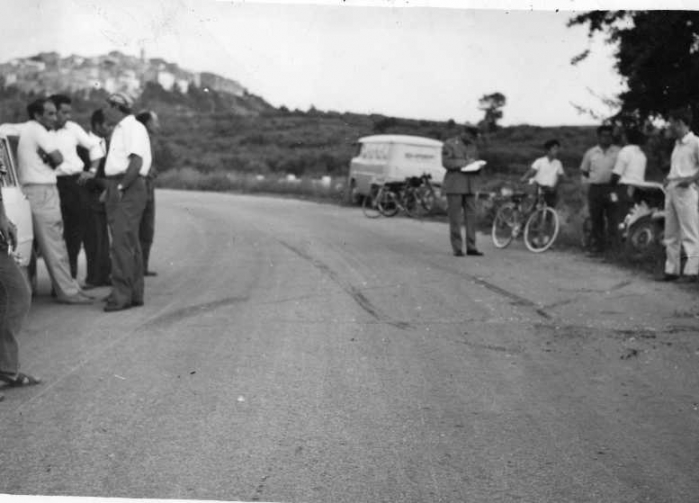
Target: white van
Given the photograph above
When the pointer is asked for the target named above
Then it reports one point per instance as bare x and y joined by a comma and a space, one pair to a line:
16, 203
392, 158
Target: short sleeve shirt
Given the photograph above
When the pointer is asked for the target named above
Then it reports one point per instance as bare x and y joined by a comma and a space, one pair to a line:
67, 140
631, 164
129, 137
600, 163
32, 169
547, 171
685, 157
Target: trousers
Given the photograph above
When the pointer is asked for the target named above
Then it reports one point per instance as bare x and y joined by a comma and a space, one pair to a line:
681, 229
48, 233
146, 230
96, 240
15, 299
73, 211
124, 213
603, 216
462, 208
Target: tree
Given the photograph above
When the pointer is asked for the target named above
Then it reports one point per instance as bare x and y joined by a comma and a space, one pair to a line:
492, 105
657, 55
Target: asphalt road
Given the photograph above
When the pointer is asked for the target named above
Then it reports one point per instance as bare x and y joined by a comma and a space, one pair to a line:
300, 352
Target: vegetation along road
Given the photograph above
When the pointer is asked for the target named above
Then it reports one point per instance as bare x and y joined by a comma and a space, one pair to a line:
299, 352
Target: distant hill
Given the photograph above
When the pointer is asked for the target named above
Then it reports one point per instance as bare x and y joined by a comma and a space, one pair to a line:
48, 73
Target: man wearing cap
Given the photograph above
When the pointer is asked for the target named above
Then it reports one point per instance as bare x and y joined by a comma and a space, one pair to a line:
37, 157
71, 177
128, 162
460, 188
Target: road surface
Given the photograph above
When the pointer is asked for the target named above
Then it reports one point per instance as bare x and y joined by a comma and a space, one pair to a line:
300, 352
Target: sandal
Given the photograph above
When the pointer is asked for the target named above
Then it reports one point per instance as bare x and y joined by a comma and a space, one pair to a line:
20, 380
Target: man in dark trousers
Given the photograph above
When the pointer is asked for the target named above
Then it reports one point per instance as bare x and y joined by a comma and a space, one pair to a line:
96, 238
597, 167
460, 188
128, 162
68, 136
147, 229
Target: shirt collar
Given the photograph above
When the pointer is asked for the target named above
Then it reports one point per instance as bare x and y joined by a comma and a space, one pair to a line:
685, 138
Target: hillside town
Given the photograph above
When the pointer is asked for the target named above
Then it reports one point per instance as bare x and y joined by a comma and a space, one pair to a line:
113, 72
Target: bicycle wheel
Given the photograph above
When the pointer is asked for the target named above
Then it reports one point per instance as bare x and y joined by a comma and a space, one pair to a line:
370, 205
541, 229
388, 203
503, 225
411, 203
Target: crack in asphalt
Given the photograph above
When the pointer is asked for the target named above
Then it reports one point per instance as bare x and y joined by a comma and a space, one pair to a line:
354, 292
171, 317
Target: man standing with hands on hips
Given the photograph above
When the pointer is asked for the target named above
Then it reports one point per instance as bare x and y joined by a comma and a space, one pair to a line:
128, 162
460, 188
681, 215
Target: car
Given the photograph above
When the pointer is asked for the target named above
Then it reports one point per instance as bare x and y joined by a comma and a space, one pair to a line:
393, 158
16, 203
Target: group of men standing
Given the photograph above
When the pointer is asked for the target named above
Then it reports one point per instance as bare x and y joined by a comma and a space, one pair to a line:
610, 174
93, 189
73, 206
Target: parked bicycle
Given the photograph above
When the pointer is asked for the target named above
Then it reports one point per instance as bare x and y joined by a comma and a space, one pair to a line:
530, 216
415, 197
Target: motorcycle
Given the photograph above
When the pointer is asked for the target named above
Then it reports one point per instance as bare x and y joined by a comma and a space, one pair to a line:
643, 227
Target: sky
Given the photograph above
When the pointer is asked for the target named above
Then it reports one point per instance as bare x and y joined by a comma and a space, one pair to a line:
425, 61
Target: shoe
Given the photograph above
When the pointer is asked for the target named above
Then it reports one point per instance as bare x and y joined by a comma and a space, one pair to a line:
150, 273
75, 299
136, 303
113, 306
690, 278
19, 380
87, 286
668, 277
474, 253
458, 253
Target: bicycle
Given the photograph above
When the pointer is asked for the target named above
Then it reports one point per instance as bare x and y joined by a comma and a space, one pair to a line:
415, 197
532, 217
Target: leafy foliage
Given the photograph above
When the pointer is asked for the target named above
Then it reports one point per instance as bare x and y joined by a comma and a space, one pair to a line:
657, 54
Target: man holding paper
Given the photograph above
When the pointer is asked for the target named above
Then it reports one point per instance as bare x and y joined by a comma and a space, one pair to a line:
460, 159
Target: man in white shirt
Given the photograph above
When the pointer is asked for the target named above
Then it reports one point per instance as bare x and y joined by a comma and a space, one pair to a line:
70, 176
629, 170
128, 162
37, 157
681, 215
596, 168
546, 172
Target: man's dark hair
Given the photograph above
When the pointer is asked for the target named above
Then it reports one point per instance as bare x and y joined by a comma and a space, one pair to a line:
144, 117
683, 114
60, 99
605, 128
36, 107
635, 136
97, 118
551, 143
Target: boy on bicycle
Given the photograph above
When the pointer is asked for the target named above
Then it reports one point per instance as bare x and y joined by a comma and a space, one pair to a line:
546, 172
